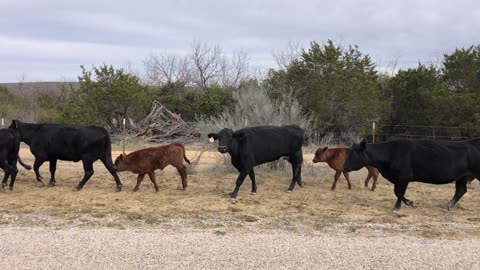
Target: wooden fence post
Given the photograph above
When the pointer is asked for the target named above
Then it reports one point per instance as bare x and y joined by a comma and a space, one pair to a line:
123, 136
373, 132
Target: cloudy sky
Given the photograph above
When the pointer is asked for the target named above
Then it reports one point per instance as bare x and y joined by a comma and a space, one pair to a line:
49, 39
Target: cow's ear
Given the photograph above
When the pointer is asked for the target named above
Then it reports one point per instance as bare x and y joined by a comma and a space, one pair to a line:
213, 135
239, 135
15, 123
120, 157
325, 148
363, 145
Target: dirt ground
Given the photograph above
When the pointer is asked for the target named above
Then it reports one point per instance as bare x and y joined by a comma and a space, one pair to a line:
206, 205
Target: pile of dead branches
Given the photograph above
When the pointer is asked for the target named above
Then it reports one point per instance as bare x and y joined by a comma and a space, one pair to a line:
162, 125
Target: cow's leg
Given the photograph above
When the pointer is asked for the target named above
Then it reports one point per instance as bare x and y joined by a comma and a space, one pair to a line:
7, 172
36, 168
375, 178
296, 160
254, 183
460, 190
239, 182
140, 177
183, 174
151, 175
407, 202
299, 176
348, 180
335, 179
13, 175
399, 190
53, 168
107, 161
88, 169
369, 176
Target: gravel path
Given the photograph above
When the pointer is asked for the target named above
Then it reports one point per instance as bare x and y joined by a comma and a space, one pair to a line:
40, 248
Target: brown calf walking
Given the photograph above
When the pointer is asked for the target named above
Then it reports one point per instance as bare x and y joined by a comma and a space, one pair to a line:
146, 161
335, 158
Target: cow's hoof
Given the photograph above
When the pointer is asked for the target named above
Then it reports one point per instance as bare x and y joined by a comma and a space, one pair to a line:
4, 186
40, 184
396, 209
253, 193
233, 199
77, 188
51, 184
410, 203
289, 191
134, 190
450, 205
10, 188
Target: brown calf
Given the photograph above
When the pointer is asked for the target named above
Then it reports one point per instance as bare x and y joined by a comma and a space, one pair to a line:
335, 158
146, 161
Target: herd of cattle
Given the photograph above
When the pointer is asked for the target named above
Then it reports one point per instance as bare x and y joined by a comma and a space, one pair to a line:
399, 161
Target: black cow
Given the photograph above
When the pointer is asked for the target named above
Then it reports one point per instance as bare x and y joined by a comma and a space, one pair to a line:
404, 161
9, 148
253, 146
52, 142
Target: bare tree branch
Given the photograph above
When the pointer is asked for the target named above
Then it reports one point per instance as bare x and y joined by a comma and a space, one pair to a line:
284, 57
207, 62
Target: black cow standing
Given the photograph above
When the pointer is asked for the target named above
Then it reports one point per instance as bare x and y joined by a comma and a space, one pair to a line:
404, 161
253, 146
9, 148
52, 142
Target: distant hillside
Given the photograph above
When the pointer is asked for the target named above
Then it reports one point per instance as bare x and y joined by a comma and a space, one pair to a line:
28, 88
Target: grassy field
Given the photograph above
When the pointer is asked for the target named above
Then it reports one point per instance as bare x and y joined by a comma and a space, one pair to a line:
205, 204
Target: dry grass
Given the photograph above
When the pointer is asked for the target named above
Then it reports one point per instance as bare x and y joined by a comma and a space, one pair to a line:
206, 204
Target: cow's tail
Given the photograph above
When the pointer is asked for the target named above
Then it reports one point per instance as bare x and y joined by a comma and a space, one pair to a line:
184, 156
108, 147
17, 151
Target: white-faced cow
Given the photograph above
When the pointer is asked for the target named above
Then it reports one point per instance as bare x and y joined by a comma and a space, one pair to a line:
9, 148
253, 146
52, 142
403, 161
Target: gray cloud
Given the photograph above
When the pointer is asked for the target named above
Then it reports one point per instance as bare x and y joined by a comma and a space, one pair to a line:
49, 39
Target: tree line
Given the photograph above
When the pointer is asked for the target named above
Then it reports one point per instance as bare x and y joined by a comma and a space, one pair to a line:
336, 90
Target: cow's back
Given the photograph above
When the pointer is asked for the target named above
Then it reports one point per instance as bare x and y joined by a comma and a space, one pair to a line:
445, 160
158, 157
430, 161
338, 156
70, 142
269, 143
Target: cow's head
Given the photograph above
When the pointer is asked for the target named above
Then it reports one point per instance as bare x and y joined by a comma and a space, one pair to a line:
227, 139
120, 164
357, 158
320, 155
15, 125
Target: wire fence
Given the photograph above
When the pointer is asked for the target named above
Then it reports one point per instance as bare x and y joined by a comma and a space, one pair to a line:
375, 132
